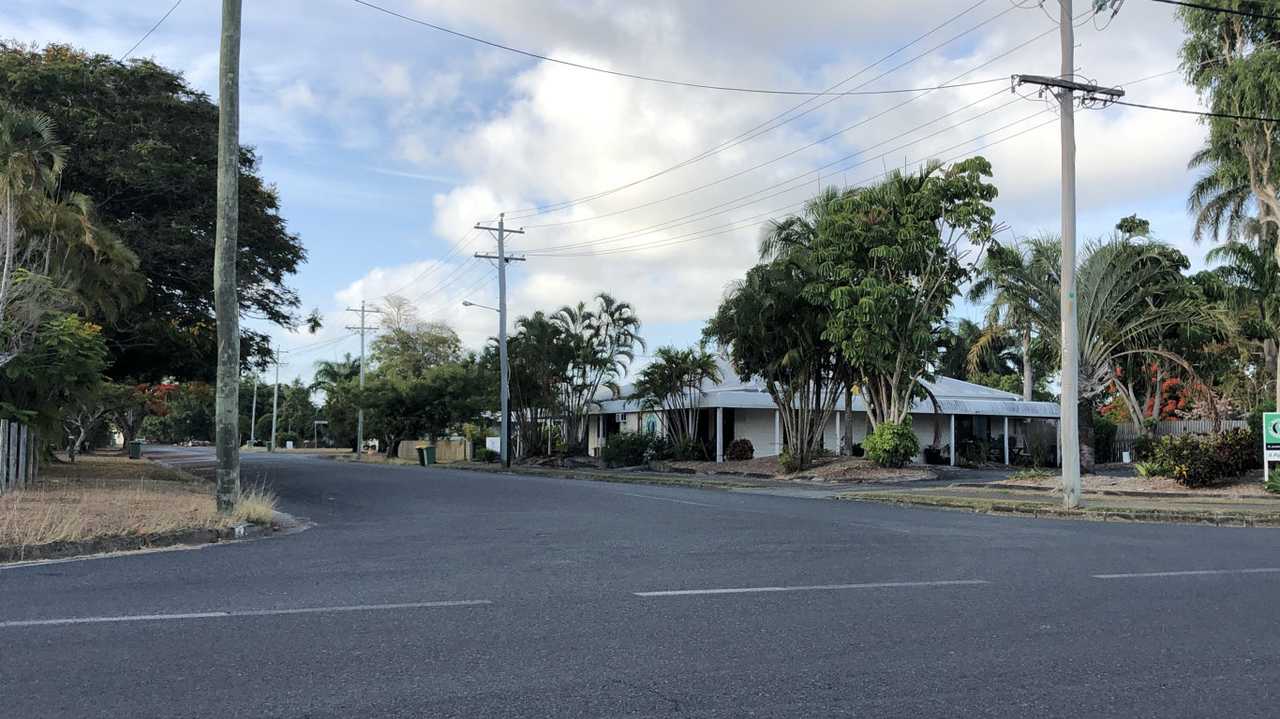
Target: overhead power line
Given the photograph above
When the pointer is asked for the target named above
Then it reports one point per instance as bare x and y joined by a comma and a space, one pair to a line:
148, 33
795, 151
1201, 113
1214, 8
778, 120
636, 76
560, 251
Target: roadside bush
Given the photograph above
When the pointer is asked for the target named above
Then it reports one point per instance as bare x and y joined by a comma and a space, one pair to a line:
857, 449
284, 438
1143, 447
484, 454
1201, 460
892, 444
787, 461
627, 449
740, 450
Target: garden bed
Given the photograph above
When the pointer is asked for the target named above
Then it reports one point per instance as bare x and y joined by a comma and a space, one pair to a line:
1249, 485
113, 501
826, 469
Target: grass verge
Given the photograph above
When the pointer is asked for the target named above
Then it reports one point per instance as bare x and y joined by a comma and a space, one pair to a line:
104, 497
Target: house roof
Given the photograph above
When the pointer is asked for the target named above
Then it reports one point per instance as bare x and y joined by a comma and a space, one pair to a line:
954, 396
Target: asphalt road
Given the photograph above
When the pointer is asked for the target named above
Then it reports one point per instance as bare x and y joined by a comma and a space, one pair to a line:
457, 594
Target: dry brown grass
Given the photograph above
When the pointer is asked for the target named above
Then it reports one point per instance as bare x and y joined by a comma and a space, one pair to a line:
100, 497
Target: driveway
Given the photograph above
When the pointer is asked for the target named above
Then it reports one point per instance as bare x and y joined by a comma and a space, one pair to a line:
461, 594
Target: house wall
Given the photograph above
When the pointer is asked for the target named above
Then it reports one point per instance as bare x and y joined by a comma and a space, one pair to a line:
757, 426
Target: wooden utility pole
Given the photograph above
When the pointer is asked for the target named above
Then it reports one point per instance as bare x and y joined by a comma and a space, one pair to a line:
360, 410
504, 370
1065, 87
226, 239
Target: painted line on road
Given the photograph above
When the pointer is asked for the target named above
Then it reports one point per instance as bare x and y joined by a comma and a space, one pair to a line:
240, 613
668, 499
812, 588
1189, 573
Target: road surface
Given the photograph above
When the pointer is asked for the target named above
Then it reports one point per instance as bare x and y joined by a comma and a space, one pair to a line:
456, 594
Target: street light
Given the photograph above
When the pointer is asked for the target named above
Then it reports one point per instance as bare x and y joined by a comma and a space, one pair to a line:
469, 303
502, 344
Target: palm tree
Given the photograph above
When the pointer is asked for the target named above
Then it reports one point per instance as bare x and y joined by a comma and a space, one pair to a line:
601, 344
331, 373
31, 160
1129, 299
791, 241
1001, 268
672, 386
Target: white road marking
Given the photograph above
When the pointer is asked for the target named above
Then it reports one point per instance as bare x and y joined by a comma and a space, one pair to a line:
668, 499
239, 613
1189, 573
812, 588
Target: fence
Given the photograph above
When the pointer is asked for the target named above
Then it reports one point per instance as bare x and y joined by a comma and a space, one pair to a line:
452, 449
18, 461
1126, 434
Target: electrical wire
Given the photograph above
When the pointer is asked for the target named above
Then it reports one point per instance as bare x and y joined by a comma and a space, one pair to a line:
748, 223
1000, 56
619, 73
1201, 113
752, 197
768, 125
1212, 8
143, 39
466, 241
732, 225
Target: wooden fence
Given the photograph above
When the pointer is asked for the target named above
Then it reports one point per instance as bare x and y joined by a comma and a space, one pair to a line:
1126, 434
18, 461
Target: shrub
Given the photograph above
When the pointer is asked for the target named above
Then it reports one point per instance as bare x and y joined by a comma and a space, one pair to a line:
284, 438
892, 444
936, 455
788, 462
857, 449
1200, 460
1143, 447
1149, 469
626, 449
484, 454
740, 450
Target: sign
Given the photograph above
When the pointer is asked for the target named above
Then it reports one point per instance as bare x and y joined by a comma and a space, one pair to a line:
1271, 436
494, 444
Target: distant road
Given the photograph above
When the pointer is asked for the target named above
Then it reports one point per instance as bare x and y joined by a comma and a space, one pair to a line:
437, 593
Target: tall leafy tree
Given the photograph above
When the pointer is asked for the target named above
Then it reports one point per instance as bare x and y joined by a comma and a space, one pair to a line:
891, 258
771, 330
145, 150
1233, 61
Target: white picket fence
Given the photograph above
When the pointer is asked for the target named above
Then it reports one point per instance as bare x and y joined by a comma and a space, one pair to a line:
18, 461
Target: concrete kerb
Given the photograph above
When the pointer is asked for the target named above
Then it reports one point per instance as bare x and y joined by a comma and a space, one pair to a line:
1097, 513
682, 480
1007, 507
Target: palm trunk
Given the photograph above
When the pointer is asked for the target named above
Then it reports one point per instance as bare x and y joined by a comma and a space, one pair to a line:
1027, 379
1087, 458
846, 447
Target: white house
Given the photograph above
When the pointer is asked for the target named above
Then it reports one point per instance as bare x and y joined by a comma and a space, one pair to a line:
734, 408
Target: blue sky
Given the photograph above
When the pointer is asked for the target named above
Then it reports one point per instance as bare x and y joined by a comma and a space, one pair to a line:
388, 140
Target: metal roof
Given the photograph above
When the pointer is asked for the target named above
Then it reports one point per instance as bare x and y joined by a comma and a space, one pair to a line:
954, 396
